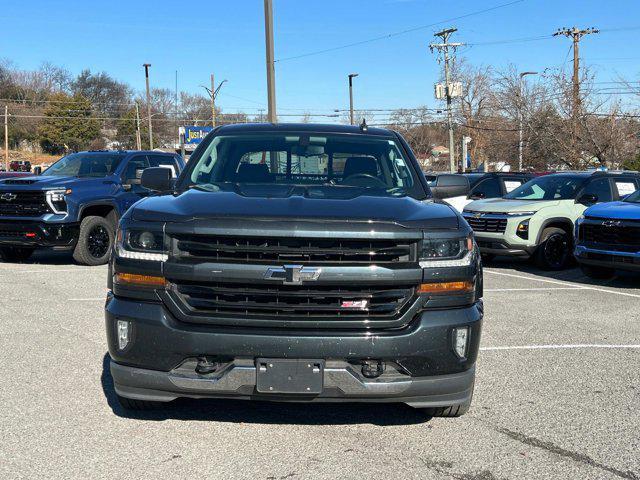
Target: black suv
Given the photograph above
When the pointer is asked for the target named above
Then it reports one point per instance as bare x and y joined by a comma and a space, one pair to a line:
295, 262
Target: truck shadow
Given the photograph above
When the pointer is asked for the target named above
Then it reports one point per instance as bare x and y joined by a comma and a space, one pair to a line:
49, 257
259, 412
623, 280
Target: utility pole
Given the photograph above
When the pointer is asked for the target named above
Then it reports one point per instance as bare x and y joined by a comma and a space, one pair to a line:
443, 48
6, 138
351, 77
521, 117
576, 35
271, 71
138, 138
213, 102
146, 75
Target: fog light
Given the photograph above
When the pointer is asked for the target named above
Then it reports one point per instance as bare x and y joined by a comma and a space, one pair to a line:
124, 333
460, 340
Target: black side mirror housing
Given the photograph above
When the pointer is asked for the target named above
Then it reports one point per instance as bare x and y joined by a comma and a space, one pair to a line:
588, 199
37, 170
158, 179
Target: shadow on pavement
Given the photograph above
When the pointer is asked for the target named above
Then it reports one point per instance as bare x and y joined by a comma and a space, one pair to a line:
48, 257
623, 280
260, 412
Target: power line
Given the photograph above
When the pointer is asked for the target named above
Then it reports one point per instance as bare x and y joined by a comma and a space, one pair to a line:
395, 34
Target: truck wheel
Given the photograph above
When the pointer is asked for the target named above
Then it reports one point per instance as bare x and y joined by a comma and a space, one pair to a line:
15, 254
554, 251
94, 241
598, 273
487, 257
131, 404
453, 411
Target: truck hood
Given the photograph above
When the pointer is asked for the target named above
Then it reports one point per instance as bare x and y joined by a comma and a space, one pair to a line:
615, 210
199, 205
45, 182
503, 205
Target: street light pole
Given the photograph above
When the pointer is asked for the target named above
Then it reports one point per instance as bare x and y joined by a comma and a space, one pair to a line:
521, 117
351, 76
146, 75
271, 72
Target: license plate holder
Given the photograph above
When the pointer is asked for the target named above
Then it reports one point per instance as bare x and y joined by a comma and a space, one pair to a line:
289, 376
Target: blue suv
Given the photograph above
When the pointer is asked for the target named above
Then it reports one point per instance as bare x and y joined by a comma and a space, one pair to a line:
75, 204
608, 238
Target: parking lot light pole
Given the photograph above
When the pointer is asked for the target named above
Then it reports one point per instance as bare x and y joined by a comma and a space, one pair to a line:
521, 116
146, 75
351, 76
271, 71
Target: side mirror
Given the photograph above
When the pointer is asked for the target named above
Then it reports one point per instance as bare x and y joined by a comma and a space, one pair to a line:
37, 170
158, 179
450, 185
588, 199
477, 196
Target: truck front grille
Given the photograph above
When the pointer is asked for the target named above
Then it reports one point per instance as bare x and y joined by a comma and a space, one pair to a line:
279, 250
298, 303
620, 238
487, 223
23, 204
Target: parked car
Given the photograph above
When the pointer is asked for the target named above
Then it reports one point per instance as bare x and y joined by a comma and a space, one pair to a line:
295, 262
608, 238
20, 166
537, 219
479, 186
4, 174
75, 204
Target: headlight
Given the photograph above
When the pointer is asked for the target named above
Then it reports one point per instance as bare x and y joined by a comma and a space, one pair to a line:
520, 214
141, 245
446, 252
523, 229
57, 201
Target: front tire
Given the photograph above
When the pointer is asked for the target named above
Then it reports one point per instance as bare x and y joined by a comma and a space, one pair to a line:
598, 273
15, 254
554, 251
94, 241
138, 405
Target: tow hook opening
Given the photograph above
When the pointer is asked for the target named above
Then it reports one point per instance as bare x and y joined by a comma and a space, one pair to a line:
372, 368
207, 365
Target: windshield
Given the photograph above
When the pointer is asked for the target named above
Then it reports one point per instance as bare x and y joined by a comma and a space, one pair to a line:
85, 165
322, 165
634, 197
551, 187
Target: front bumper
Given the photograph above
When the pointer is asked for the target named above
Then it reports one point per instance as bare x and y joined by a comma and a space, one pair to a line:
38, 234
608, 258
499, 246
422, 368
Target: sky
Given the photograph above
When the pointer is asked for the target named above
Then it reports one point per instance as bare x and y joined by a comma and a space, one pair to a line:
227, 38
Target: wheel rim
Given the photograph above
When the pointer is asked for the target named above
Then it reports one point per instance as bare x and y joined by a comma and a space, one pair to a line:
98, 241
556, 249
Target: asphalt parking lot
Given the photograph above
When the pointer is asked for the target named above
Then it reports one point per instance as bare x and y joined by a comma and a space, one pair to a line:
557, 395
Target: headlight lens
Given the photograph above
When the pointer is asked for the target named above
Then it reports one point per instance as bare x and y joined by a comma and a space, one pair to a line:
446, 252
57, 201
520, 214
141, 245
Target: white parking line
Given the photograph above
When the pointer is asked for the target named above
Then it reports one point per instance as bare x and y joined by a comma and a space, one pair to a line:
567, 284
87, 299
560, 347
543, 289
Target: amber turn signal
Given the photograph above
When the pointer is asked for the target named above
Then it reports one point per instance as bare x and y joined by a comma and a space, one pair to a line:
141, 280
446, 287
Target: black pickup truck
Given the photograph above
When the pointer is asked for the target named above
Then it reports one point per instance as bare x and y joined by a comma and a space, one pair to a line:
295, 263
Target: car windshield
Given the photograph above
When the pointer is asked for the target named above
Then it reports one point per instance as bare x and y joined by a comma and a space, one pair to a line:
320, 165
550, 187
634, 197
85, 165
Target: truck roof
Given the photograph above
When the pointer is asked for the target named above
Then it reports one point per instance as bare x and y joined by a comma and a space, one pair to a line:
238, 128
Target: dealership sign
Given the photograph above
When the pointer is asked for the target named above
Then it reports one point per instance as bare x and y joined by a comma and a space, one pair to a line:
193, 135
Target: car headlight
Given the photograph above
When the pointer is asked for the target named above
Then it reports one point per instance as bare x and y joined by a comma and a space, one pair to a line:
57, 201
446, 252
520, 214
141, 245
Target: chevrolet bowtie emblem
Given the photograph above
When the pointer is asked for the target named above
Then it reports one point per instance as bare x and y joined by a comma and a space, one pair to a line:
8, 197
292, 274
611, 223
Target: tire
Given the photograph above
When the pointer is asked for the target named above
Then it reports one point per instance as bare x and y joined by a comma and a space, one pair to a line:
131, 404
598, 273
487, 257
554, 251
94, 241
452, 411
15, 254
